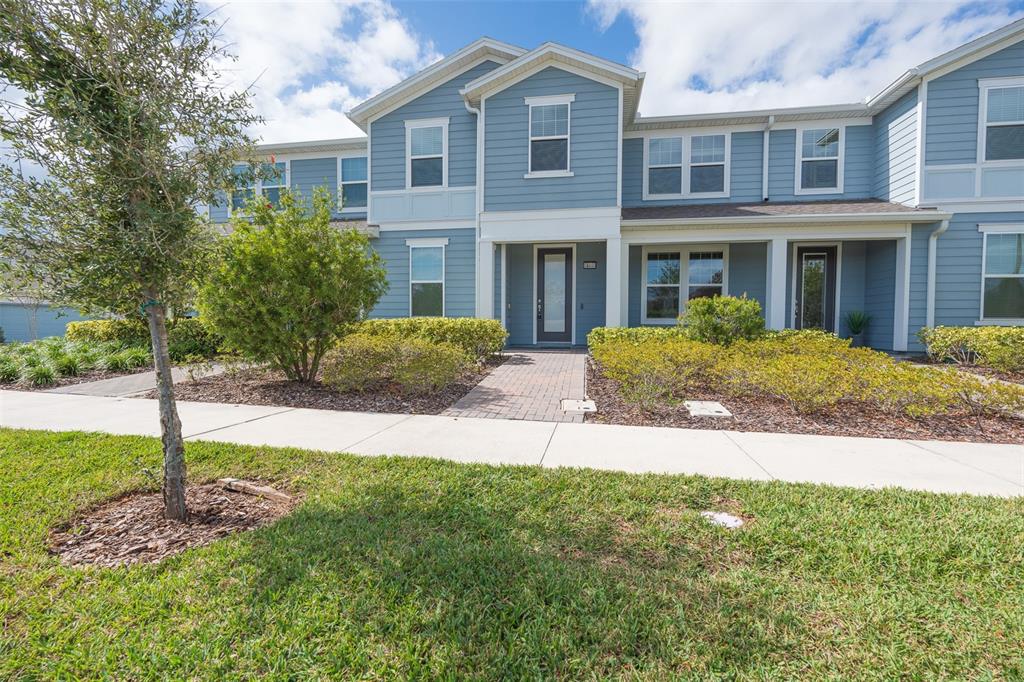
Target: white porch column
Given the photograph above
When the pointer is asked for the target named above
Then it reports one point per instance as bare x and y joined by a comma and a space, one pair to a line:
614, 283
775, 315
485, 279
901, 307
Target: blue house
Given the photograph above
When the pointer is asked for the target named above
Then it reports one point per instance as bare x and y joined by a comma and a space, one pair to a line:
523, 185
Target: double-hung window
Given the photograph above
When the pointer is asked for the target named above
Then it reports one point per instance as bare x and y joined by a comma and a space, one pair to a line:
353, 183
707, 164
427, 145
549, 135
245, 187
819, 167
674, 276
665, 166
273, 178
268, 183
1002, 128
1002, 296
426, 277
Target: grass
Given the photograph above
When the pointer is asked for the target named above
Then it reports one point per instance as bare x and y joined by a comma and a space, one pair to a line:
397, 567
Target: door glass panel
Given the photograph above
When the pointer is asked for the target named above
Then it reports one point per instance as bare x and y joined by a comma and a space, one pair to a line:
554, 292
812, 296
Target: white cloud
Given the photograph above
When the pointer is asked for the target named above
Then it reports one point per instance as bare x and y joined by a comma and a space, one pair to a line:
312, 61
704, 57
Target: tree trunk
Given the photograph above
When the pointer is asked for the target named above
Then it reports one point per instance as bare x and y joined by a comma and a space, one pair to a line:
170, 425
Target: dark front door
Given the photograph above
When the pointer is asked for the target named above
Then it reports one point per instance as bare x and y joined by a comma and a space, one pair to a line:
554, 295
815, 297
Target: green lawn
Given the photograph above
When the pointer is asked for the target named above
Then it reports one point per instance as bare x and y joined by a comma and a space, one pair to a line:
397, 567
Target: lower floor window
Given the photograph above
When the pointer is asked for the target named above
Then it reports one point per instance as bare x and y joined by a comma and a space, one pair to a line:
673, 277
1003, 279
426, 281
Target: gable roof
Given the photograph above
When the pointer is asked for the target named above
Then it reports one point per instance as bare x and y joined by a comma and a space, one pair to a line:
554, 54
436, 73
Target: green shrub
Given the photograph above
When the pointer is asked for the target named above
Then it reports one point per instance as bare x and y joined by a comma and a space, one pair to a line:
478, 338
601, 335
191, 337
118, 361
38, 375
656, 367
136, 357
722, 319
289, 285
999, 348
186, 336
413, 365
67, 365
126, 332
9, 371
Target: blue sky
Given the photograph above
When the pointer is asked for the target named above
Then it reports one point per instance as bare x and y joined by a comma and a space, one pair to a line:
312, 61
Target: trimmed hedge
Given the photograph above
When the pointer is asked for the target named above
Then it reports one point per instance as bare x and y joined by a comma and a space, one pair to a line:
999, 348
722, 319
186, 336
478, 338
413, 365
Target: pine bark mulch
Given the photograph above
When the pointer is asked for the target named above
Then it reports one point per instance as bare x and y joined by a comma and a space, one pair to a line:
83, 378
132, 529
775, 416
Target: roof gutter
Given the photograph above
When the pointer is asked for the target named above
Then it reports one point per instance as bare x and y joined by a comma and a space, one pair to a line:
791, 219
933, 239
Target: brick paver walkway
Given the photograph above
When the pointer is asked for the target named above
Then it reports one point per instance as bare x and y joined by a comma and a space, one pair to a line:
530, 385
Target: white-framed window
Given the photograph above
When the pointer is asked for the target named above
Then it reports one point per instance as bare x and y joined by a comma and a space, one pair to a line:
1001, 120
673, 275
1002, 278
426, 277
268, 183
549, 133
819, 160
426, 144
352, 183
707, 165
665, 166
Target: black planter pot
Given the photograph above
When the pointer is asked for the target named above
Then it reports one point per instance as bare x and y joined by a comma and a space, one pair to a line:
857, 340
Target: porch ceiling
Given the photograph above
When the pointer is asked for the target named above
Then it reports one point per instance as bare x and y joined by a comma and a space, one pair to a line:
867, 210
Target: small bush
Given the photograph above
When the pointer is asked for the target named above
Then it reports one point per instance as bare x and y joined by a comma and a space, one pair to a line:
414, 365
601, 335
478, 338
67, 365
189, 337
136, 357
127, 332
186, 336
999, 348
656, 368
722, 319
38, 375
118, 361
9, 371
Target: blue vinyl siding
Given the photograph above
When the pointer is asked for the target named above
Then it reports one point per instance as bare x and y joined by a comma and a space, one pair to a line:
951, 131
590, 289
880, 292
959, 267
744, 172
858, 166
519, 299
896, 150
851, 282
459, 271
387, 134
748, 270
16, 321
918, 283
593, 146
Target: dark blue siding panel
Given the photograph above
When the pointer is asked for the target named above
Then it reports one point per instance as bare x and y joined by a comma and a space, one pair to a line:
593, 153
748, 270
635, 284
459, 271
519, 300
918, 283
590, 289
26, 323
880, 292
387, 134
851, 282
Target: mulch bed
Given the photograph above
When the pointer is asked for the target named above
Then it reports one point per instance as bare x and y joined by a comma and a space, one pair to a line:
133, 530
260, 386
765, 414
85, 377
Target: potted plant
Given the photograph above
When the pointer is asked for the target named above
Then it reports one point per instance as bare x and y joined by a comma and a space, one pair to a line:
856, 322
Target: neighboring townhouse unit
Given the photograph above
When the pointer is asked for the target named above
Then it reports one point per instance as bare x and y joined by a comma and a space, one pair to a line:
523, 186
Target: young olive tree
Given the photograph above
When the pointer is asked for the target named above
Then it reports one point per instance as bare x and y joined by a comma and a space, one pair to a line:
288, 284
120, 105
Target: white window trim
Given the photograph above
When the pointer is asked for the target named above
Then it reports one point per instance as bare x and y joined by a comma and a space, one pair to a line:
342, 182
684, 251
687, 164
840, 159
429, 243
546, 100
258, 183
986, 229
984, 85
441, 122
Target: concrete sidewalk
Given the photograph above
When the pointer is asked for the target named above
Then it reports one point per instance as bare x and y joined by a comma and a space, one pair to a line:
860, 462
129, 384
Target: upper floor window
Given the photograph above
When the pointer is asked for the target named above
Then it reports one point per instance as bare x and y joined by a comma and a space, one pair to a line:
427, 145
353, 182
665, 165
1003, 273
549, 135
707, 164
271, 179
1002, 114
819, 168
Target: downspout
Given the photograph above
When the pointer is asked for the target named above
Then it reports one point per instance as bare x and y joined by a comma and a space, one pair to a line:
933, 239
764, 158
